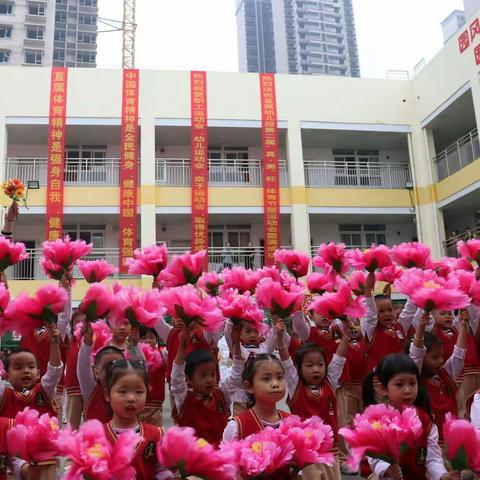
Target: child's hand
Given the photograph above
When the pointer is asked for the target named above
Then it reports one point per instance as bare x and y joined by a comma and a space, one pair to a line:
66, 281
156, 284
280, 328
394, 472
387, 290
236, 330
87, 333
12, 212
424, 319
30, 472
370, 283
134, 337
455, 475
465, 317
185, 336
275, 319
3, 279
53, 332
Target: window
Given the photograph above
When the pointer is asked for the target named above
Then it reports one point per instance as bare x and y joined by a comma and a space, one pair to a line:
88, 3
5, 31
84, 19
86, 57
35, 8
87, 38
62, 2
89, 233
33, 57
61, 17
34, 32
59, 35
6, 8
362, 235
4, 56
59, 55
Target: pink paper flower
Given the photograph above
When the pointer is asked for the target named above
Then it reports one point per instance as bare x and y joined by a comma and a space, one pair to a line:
96, 270
241, 279
60, 256
465, 280
274, 297
101, 335
183, 269
268, 272
371, 259
295, 261
4, 298
152, 356
33, 438
151, 261
11, 253
312, 440
135, 305
25, 313
462, 444
357, 282
322, 282
462, 263
410, 255
470, 249
430, 292
181, 451
93, 456
186, 304
210, 282
475, 293
97, 302
332, 254
389, 274
339, 304
380, 431
442, 267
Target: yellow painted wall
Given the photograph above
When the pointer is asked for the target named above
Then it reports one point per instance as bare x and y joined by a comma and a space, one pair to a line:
332, 197
458, 181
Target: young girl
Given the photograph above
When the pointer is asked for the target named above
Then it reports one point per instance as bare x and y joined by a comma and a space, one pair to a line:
311, 386
400, 381
199, 402
126, 387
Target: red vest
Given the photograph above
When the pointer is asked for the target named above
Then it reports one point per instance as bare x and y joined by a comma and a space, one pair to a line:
294, 345
305, 403
441, 390
448, 339
208, 416
5, 425
71, 380
248, 423
97, 407
472, 364
145, 461
355, 367
385, 341
14, 402
156, 387
324, 339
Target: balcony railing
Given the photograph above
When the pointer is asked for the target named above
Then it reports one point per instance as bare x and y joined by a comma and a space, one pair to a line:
78, 172
458, 155
450, 244
175, 172
314, 248
357, 175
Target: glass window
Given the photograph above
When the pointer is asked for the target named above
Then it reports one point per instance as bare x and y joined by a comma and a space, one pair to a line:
61, 17
84, 19
5, 31
88, 3
62, 2
59, 55
4, 56
35, 32
59, 35
38, 9
86, 57
88, 38
33, 57
6, 8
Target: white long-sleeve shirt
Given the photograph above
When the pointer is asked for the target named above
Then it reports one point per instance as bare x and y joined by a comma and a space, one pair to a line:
163, 329
475, 411
230, 434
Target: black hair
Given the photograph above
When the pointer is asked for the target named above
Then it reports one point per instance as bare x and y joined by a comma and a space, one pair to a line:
119, 368
387, 368
7, 360
105, 351
196, 358
250, 369
309, 347
430, 340
143, 330
380, 297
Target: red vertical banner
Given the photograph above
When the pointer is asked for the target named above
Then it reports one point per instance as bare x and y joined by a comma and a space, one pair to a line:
270, 173
128, 166
199, 162
56, 151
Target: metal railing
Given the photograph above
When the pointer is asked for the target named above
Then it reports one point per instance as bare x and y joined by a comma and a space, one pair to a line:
77, 172
330, 173
314, 248
175, 172
450, 244
458, 155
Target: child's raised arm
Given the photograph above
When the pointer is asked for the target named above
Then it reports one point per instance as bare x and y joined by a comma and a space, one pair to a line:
335, 368
178, 380
369, 323
233, 382
85, 376
417, 349
455, 364
54, 371
291, 373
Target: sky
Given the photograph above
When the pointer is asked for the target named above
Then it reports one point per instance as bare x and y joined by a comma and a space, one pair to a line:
201, 34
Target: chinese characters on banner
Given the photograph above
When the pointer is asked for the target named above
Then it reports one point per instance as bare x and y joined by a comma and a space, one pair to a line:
271, 188
467, 38
56, 149
199, 162
129, 167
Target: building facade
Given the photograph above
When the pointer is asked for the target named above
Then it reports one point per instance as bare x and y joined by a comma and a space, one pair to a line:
298, 37
361, 161
48, 32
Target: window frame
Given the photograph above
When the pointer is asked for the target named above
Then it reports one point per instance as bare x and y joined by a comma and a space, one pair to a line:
35, 52
40, 6
5, 54
38, 28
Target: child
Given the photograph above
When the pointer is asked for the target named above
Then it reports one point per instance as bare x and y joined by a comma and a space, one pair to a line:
439, 378
311, 386
28, 389
400, 381
156, 378
199, 403
120, 334
126, 386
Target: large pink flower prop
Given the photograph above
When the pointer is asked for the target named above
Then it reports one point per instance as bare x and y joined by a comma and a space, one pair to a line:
322, 282
25, 314
149, 261
210, 282
93, 456
4, 298
11, 253
371, 259
382, 432
470, 249
97, 302
96, 270
152, 356
182, 452
389, 274
60, 256
186, 304
332, 254
409, 255
101, 335
462, 444
339, 304
431, 292
183, 269
357, 282
268, 272
280, 301
241, 279
33, 437
295, 261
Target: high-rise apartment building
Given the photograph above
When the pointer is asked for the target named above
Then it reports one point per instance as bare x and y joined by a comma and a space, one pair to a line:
48, 32
297, 36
